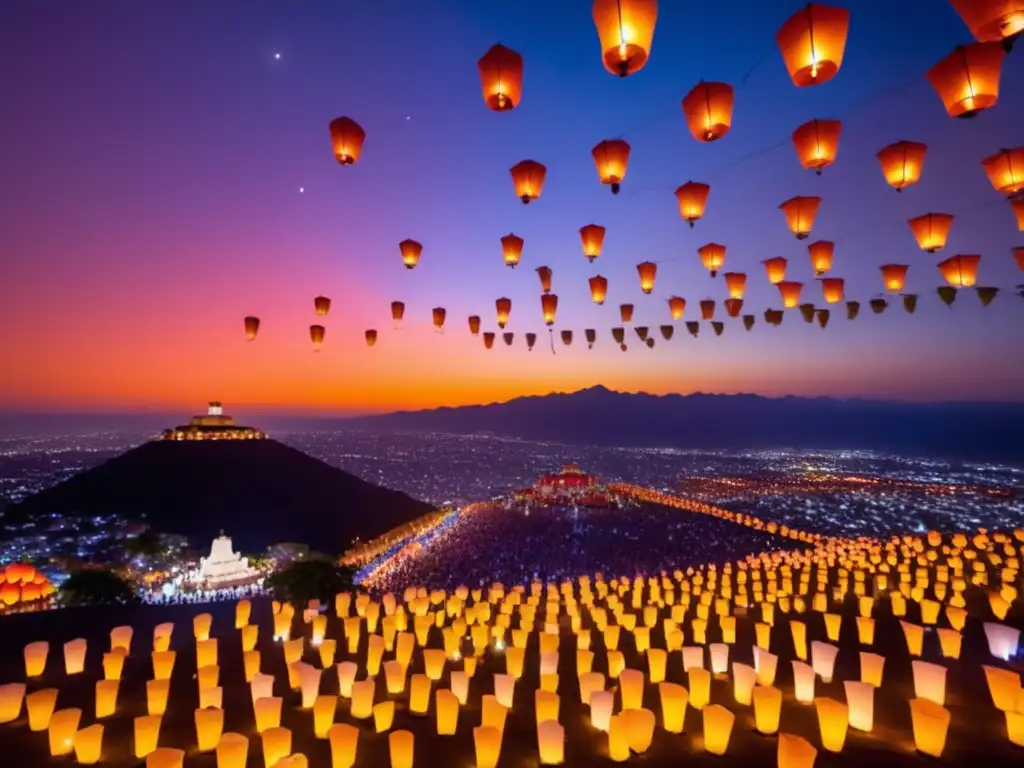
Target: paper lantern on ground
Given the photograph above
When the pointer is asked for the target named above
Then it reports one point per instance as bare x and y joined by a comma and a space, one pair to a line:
501, 76
817, 143
833, 289
931, 722
823, 659
324, 709
89, 745
860, 698
647, 272
767, 702
162, 636
383, 716
121, 638
446, 708
712, 256
156, 696
821, 253
708, 110
602, 703
871, 667
743, 677
267, 711
611, 157
639, 729
1002, 641
35, 658
631, 688
789, 291
62, 729
106, 698
931, 230
693, 199
795, 752
929, 681
618, 738
967, 80
765, 664
74, 656
625, 29
833, 721
147, 734
347, 138
551, 742
960, 271
165, 757
528, 181
902, 163
362, 700
277, 743
344, 740
209, 726
592, 238
487, 744
800, 213
40, 705
699, 686
674, 699
894, 277
549, 308
812, 42
504, 689
803, 682
718, 722
419, 694
1005, 169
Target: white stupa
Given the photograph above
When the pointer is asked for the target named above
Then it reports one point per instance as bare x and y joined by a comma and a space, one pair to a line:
224, 566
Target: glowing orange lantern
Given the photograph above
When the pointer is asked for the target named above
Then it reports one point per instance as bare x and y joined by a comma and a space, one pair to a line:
592, 237
790, 293
677, 305
611, 157
992, 21
371, 337
821, 253
1018, 212
549, 306
347, 137
504, 308
1018, 255
598, 288
833, 289
776, 269
626, 31
321, 305
931, 230
316, 335
800, 213
544, 273
735, 284
647, 271
960, 271
512, 249
1006, 170
894, 276
252, 327
712, 256
967, 80
902, 163
693, 199
812, 42
411, 251
501, 76
817, 143
438, 314
528, 179
708, 110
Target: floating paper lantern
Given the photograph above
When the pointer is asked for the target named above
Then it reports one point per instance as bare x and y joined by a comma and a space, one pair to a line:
74, 656
89, 745
344, 740
147, 734
833, 289
967, 80
795, 752
544, 273
931, 230
487, 745
676, 307
930, 722
821, 253
40, 705
735, 284
960, 271
718, 722
277, 743
894, 277
708, 110
625, 29
647, 272
712, 256
347, 138
411, 251
512, 249
551, 742
267, 711
611, 157
776, 269
767, 702
252, 327
992, 20
592, 238
438, 315
528, 179
902, 163
800, 213
1018, 212
693, 199
812, 42
789, 291
501, 76
549, 307
62, 730
817, 143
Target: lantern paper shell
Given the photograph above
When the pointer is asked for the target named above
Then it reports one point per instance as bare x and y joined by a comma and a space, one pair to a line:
821, 253
625, 29
512, 249
397, 312
677, 306
501, 76
626, 313
528, 179
544, 273
503, 307
708, 110
833, 723
931, 230
967, 80
62, 729
106, 698
438, 314
35, 658
960, 271
474, 324
930, 723
371, 337
817, 143
611, 157
74, 656
252, 327
733, 307
812, 42
321, 305
833, 289
316, 335
598, 289
1005, 169
894, 277
89, 745
790, 293
718, 722
567, 338
800, 213
147, 734
776, 269
991, 20
347, 138
902, 163
647, 272
1018, 212
591, 336
592, 238
795, 752
707, 309
735, 284
693, 200
712, 256
549, 307
410, 251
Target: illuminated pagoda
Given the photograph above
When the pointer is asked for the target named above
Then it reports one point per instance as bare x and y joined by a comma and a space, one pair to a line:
570, 486
213, 425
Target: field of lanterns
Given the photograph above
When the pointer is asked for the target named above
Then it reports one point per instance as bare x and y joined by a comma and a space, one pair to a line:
843, 650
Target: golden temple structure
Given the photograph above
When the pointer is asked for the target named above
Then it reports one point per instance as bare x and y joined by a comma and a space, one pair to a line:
213, 425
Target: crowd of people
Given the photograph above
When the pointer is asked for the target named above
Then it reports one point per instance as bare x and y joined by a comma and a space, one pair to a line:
517, 546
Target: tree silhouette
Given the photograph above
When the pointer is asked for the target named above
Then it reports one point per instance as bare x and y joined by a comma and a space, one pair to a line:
96, 587
308, 580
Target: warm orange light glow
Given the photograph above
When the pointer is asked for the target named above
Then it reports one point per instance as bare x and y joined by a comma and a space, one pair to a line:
800, 213
438, 314
902, 163
790, 293
735, 284
371, 337
693, 199
817, 143
931, 230
252, 327
960, 271
611, 157
894, 276
833, 289
712, 256
598, 289
512, 249
812, 42
549, 306
501, 76
626, 30
991, 20
592, 237
647, 272
316, 335
776, 269
544, 273
410, 251
821, 253
1005, 170
528, 179
503, 308
1018, 212
708, 110
677, 305
626, 313
967, 80
347, 138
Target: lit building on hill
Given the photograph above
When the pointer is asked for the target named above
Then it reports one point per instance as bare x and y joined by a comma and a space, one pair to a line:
571, 486
213, 425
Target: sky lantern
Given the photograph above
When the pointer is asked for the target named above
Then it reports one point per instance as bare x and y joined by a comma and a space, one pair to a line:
708, 110
790, 293
967, 80
992, 21
626, 313
1018, 256
960, 271
316, 335
931, 230
735, 284
833, 289
800, 214
894, 276
504, 308
488, 339
598, 289
397, 312
531, 339
438, 314
549, 306
1018, 212
347, 138
321, 305
816, 143
902, 163
501, 75
611, 157
693, 199
821, 252
474, 324
591, 335
371, 337
707, 309
676, 306
252, 327
512, 249
544, 273
592, 238
647, 271
733, 307
528, 179
566, 337
776, 269
812, 43
1005, 170
712, 256
626, 30
410, 251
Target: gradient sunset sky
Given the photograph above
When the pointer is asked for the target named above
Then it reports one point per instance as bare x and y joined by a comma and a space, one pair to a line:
154, 155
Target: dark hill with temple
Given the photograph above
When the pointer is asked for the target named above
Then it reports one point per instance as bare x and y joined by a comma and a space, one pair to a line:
259, 490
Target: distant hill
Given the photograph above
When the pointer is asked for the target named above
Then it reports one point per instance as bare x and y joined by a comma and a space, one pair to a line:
599, 416
259, 491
